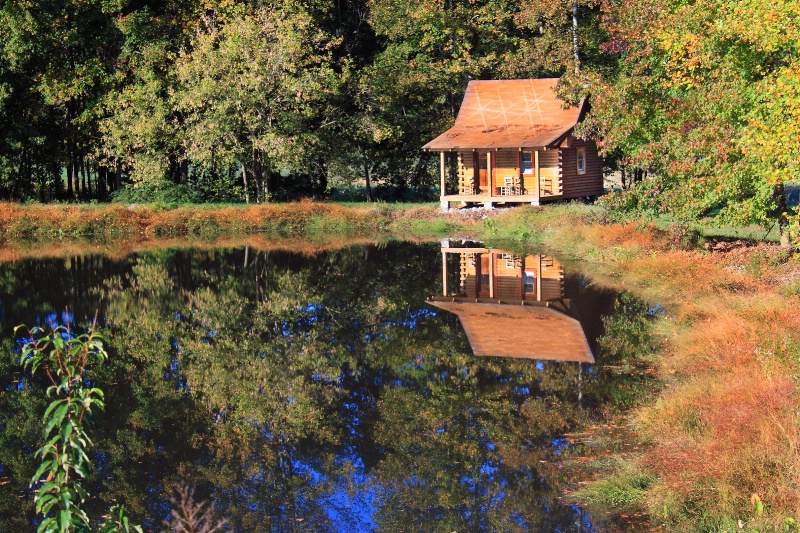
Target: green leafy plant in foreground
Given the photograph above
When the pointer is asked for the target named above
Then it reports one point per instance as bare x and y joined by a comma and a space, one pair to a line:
65, 359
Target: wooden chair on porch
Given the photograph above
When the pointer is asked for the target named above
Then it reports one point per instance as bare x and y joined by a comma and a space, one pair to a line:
511, 185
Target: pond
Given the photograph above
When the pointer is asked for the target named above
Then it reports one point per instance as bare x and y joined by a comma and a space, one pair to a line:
392, 387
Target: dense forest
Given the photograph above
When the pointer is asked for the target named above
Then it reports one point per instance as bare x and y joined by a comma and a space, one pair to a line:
695, 102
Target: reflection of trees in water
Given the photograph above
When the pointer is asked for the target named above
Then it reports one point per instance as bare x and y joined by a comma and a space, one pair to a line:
302, 393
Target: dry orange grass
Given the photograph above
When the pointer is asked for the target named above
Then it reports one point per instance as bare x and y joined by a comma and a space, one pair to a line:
721, 438
727, 425
634, 236
114, 220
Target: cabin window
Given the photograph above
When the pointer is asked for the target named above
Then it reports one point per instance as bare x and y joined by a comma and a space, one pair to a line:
529, 282
526, 162
581, 160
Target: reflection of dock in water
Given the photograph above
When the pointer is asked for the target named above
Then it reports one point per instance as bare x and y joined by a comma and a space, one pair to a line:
520, 306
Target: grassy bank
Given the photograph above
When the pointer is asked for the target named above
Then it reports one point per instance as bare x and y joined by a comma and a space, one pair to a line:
307, 219
724, 433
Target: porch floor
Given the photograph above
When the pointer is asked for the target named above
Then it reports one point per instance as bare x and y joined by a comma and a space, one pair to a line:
503, 199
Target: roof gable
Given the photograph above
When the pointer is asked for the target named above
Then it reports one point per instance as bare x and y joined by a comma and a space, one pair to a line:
509, 114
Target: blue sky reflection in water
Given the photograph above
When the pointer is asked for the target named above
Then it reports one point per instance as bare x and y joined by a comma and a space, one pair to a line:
309, 392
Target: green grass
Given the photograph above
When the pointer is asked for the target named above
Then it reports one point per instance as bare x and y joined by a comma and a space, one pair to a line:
624, 489
708, 228
752, 232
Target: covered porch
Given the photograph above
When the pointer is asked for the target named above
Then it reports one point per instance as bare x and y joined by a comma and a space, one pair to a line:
500, 176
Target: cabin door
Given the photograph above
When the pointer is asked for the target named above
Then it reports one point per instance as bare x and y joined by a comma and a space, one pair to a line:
481, 173
483, 266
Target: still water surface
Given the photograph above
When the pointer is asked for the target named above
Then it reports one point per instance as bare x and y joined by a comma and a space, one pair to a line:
400, 387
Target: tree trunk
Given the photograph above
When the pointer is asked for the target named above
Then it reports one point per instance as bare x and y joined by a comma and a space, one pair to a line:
246, 190
58, 184
118, 177
258, 174
322, 186
84, 194
102, 181
575, 36
366, 180
622, 177
75, 180
779, 194
184, 171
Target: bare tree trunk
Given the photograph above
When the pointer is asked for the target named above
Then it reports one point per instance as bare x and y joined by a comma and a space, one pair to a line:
622, 174
322, 187
246, 189
75, 180
258, 174
102, 181
575, 36
82, 170
118, 177
58, 185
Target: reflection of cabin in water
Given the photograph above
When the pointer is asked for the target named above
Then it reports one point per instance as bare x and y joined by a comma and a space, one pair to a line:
513, 142
520, 306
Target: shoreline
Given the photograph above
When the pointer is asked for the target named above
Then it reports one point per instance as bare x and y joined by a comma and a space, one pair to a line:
723, 428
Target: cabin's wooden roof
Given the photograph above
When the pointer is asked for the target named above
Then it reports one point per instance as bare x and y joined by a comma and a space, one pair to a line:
522, 331
508, 114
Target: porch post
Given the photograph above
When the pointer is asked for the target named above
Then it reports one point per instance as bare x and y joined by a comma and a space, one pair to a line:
490, 176
539, 280
537, 173
441, 169
442, 203
491, 274
445, 288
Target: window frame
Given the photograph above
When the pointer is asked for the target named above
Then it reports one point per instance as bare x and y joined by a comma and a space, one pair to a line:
580, 157
522, 169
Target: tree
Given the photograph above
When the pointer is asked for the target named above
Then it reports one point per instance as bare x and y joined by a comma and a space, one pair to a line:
57, 59
250, 88
694, 100
559, 35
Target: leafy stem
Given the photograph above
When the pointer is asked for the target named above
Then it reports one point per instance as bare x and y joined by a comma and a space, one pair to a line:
65, 358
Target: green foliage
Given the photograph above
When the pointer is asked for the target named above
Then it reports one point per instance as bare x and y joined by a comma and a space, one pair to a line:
65, 466
704, 101
249, 91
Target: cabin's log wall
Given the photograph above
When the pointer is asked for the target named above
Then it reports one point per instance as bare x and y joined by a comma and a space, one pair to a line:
506, 165
552, 274
466, 173
508, 277
576, 185
548, 173
469, 280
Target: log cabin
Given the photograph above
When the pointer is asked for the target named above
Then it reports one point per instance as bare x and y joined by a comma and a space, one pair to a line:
513, 142
521, 306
